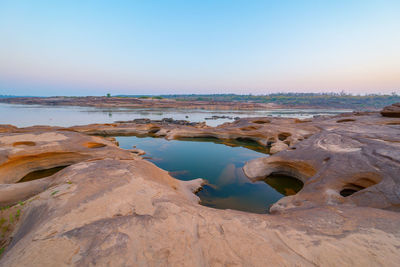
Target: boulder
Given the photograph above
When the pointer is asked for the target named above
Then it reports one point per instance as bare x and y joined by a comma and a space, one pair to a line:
391, 111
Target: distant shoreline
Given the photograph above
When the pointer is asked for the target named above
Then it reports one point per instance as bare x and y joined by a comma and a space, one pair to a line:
130, 102
215, 102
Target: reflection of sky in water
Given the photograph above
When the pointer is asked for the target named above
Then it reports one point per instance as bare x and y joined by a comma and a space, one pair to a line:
219, 164
28, 115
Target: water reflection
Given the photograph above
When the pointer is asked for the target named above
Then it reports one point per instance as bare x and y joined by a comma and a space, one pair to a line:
220, 165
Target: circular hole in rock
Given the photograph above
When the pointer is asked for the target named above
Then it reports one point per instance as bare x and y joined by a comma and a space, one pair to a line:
347, 192
285, 184
358, 185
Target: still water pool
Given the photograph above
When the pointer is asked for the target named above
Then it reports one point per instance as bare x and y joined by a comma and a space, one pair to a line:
221, 166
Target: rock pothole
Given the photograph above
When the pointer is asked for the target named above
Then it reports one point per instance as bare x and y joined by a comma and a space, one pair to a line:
358, 185
39, 174
94, 145
283, 183
24, 143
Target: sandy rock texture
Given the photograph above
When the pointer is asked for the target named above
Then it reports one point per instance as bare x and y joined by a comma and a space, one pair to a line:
276, 134
352, 160
24, 153
131, 213
109, 207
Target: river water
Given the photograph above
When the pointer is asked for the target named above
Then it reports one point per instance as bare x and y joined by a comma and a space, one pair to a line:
29, 115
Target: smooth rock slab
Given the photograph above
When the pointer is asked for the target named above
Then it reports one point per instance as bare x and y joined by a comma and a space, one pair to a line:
131, 213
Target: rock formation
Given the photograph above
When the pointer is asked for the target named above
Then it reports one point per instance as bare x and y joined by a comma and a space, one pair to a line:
275, 133
353, 160
24, 153
391, 111
111, 207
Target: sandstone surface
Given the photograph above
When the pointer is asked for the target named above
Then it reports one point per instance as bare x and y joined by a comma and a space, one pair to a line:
265, 132
111, 207
352, 160
24, 153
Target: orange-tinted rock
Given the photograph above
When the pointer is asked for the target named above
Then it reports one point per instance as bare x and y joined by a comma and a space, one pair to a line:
38, 150
129, 212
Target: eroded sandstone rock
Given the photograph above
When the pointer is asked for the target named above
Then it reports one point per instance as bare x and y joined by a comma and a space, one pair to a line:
110, 207
25, 153
129, 212
391, 111
278, 133
353, 160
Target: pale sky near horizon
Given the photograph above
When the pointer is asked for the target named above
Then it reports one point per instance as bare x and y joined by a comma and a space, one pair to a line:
221, 46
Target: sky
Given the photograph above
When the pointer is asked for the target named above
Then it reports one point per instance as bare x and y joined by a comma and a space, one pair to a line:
97, 47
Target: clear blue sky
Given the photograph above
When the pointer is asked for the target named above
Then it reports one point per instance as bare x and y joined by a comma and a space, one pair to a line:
159, 47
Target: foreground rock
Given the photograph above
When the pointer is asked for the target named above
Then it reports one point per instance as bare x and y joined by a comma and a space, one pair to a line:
129, 212
110, 207
22, 154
